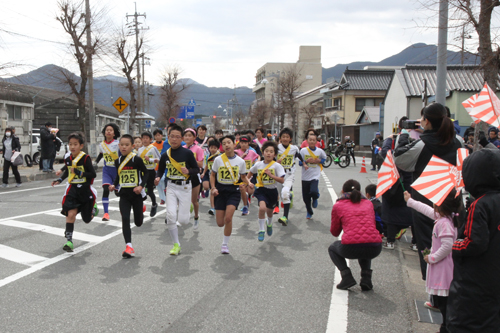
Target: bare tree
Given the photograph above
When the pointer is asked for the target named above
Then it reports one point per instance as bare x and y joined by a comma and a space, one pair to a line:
128, 56
172, 89
73, 21
239, 119
289, 83
259, 114
309, 112
217, 123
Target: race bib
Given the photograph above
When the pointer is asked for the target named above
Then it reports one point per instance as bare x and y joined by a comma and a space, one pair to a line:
311, 165
109, 161
286, 161
150, 165
77, 179
173, 173
224, 176
129, 178
209, 165
248, 164
266, 180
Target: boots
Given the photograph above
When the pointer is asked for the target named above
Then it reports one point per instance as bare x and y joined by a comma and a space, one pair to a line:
347, 280
366, 280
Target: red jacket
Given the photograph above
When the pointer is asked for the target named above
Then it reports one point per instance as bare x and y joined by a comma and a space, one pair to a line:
357, 220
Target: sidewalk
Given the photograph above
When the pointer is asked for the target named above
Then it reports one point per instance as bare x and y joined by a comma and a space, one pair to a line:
32, 174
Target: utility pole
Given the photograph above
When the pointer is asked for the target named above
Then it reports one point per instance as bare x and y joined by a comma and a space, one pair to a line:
137, 50
91, 113
442, 52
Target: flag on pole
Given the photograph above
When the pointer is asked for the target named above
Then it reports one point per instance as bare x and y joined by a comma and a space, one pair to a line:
388, 175
485, 106
462, 154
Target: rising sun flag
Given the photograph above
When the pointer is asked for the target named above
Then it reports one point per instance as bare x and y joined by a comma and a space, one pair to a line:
388, 175
440, 177
484, 106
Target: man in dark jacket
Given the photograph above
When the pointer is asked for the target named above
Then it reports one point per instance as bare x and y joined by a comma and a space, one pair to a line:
47, 145
474, 296
377, 142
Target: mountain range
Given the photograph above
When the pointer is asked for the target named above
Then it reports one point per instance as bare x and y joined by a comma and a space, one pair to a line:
108, 88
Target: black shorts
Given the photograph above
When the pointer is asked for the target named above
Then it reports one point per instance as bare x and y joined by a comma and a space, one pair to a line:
206, 178
195, 180
226, 198
268, 195
82, 199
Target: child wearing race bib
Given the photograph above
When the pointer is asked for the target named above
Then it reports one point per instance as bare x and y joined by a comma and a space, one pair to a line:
268, 173
137, 144
181, 168
199, 155
286, 157
79, 197
159, 144
129, 185
110, 152
150, 156
250, 157
213, 147
313, 158
228, 176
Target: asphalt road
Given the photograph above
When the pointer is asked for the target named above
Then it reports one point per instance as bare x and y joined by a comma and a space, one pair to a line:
283, 284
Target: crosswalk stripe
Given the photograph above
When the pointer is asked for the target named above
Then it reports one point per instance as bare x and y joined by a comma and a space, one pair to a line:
50, 230
113, 223
20, 257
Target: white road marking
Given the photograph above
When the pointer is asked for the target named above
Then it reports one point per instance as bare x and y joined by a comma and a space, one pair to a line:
20, 257
113, 223
37, 188
50, 230
337, 318
63, 256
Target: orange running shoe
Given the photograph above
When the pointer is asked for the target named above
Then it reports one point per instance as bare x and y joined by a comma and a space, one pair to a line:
143, 208
105, 217
128, 253
276, 210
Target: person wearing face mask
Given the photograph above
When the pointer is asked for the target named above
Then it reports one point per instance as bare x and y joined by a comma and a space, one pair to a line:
47, 145
10, 144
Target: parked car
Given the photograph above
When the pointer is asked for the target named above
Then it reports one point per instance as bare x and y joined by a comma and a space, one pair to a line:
36, 149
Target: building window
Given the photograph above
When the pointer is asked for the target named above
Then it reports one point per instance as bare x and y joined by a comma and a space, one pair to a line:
14, 112
328, 103
337, 103
362, 102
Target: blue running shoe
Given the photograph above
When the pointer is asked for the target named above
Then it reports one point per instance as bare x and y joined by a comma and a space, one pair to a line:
261, 236
244, 211
308, 216
315, 203
269, 229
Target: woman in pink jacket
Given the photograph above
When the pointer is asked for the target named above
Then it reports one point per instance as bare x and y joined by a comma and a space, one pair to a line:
354, 214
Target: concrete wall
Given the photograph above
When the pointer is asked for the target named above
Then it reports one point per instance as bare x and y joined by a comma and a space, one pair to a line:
395, 105
367, 133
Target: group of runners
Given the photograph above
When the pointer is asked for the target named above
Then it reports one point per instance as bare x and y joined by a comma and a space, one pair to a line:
186, 167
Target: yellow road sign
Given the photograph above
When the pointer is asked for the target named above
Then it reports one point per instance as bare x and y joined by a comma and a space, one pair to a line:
120, 104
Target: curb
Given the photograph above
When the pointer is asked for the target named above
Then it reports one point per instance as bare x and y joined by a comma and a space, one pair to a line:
32, 177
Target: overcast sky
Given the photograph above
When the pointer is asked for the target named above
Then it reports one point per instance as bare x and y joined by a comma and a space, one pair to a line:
223, 42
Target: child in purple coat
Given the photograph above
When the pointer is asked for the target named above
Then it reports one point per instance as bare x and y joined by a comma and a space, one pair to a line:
439, 260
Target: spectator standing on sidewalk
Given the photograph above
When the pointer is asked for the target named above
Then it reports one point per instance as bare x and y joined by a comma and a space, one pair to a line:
376, 142
10, 144
47, 144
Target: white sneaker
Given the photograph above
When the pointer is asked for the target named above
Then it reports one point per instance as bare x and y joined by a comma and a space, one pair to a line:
18, 185
196, 224
413, 247
224, 249
5, 185
388, 246
178, 224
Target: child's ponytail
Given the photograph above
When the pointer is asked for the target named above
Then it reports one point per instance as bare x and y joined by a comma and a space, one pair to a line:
354, 188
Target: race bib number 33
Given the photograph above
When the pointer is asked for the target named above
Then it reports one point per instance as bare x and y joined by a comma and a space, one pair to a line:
224, 177
129, 178
286, 161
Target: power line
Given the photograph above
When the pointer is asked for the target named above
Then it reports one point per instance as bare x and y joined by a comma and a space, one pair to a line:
30, 37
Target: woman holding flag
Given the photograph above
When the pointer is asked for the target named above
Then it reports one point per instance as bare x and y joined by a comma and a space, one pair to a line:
437, 139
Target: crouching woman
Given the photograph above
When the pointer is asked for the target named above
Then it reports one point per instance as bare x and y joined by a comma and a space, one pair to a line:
354, 214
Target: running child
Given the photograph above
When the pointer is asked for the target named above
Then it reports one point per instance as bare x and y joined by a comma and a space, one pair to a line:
79, 196
159, 145
228, 176
129, 185
199, 155
110, 152
313, 158
213, 147
268, 174
150, 156
286, 157
137, 144
180, 168
259, 137
439, 260
250, 157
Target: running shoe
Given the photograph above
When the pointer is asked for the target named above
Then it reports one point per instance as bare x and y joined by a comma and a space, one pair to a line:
162, 202
269, 229
211, 211
315, 203
309, 216
261, 236
400, 233
191, 208
276, 210
196, 224
68, 247
207, 193
178, 224
143, 208
431, 307
105, 217
413, 247
128, 253
175, 250
283, 220
203, 194
282, 204
153, 210
245, 211
249, 200
224, 249
388, 246
95, 211
18, 185
5, 185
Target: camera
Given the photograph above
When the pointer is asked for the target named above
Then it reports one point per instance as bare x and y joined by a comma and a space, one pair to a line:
411, 124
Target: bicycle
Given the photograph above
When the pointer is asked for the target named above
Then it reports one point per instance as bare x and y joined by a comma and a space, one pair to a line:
335, 154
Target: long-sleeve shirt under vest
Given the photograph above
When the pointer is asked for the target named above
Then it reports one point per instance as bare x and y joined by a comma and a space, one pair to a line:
86, 173
184, 157
133, 174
